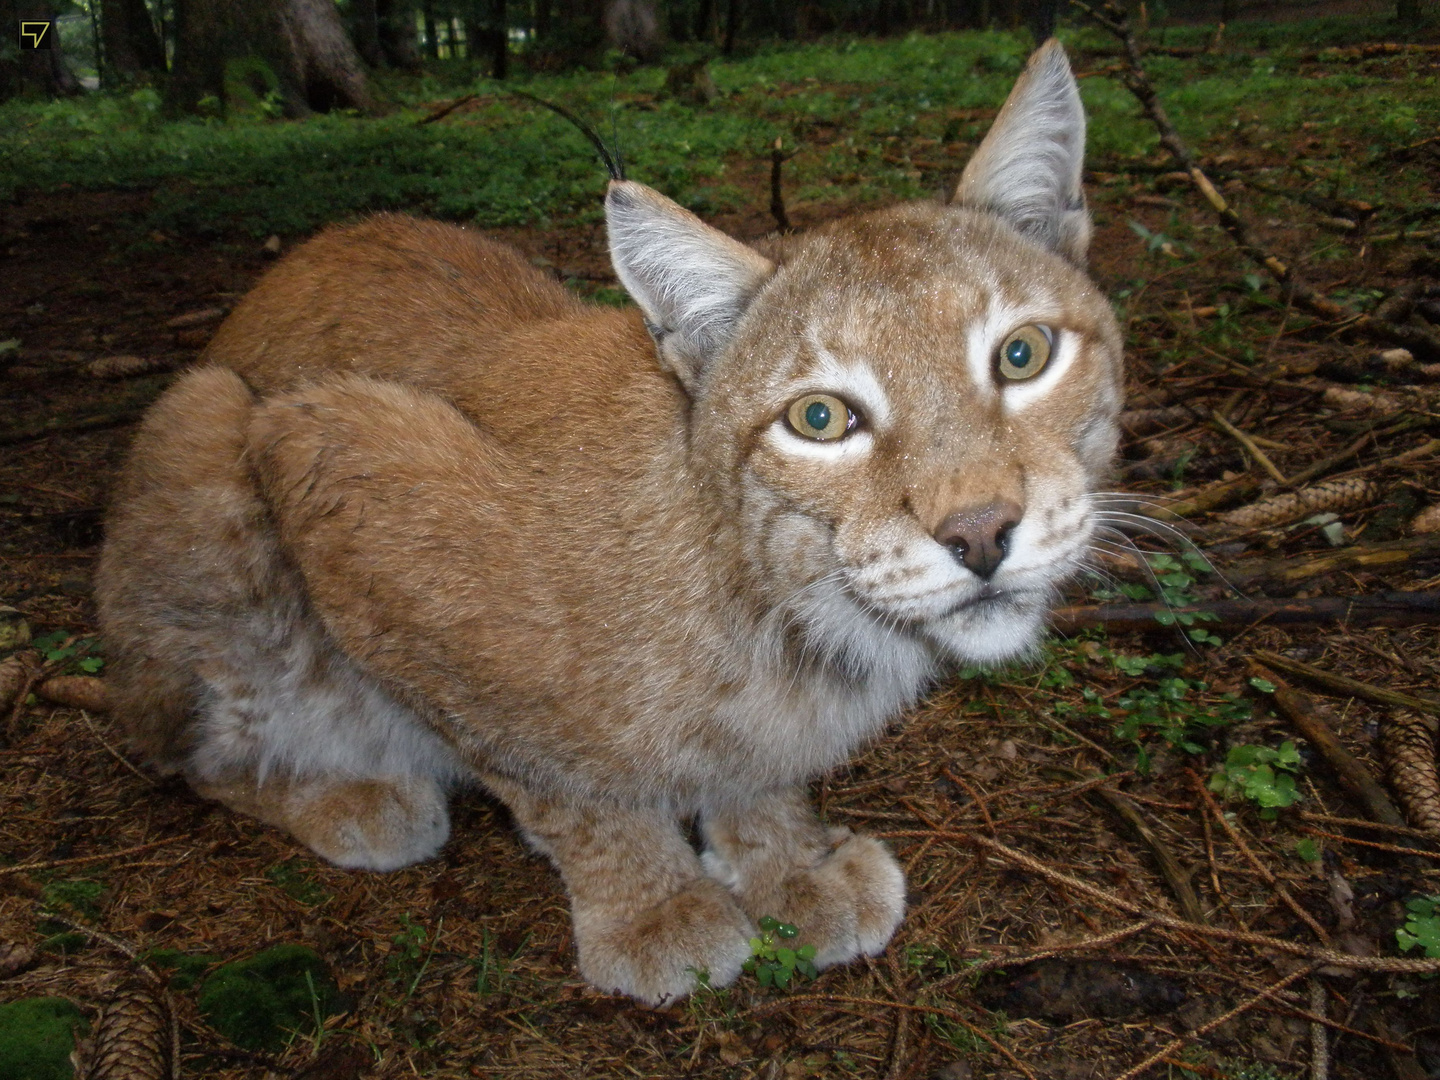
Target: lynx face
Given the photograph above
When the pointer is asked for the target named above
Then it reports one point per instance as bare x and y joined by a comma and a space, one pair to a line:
905, 412
943, 488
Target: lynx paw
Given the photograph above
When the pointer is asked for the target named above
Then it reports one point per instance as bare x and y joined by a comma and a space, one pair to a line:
847, 904
657, 954
376, 824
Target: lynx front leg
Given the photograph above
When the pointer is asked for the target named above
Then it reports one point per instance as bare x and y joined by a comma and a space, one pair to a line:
846, 893
647, 918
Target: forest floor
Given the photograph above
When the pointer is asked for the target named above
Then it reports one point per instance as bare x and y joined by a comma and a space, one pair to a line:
1045, 937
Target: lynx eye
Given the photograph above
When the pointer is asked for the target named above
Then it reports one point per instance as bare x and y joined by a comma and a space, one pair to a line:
820, 416
1024, 354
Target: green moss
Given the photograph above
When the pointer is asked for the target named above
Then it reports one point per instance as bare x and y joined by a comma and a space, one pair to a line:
185, 969
36, 1037
260, 1003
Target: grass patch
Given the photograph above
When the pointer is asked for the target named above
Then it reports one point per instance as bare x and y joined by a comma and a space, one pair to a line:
867, 116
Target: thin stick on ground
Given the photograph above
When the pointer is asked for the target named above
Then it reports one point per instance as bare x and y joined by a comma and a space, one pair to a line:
777, 195
1260, 868
1294, 290
83, 860
1261, 458
1205, 1029
1350, 687
1300, 711
1320, 955
1319, 1040
879, 1003
1170, 868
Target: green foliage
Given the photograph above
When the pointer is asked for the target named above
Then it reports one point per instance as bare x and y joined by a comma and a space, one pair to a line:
263, 1002
73, 896
851, 109
930, 960
185, 969
1422, 927
36, 1038
1261, 774
293, 879
1308, 850
774, 964
489, 967
78, 652
407, 949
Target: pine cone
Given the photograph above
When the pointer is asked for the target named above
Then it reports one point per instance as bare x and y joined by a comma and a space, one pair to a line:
1333, 495
1408, 742
131, 1040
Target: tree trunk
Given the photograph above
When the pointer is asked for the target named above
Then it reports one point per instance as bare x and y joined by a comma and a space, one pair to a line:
323, 60
1407, 11
301, 41
732, 26
365, 29
44, 70
395, 21
432, 44
131, 44
199, 68
500, 42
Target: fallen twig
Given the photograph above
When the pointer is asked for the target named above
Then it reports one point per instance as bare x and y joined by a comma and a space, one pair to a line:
777, 196
1350, 687
1397, 608
1316, 954
1260, 868
1205, 1029
880, 1003
1291, 571
83, 860
1294, 290
445, 110
1218, 419
1210, 498
1300, 711
1170, 869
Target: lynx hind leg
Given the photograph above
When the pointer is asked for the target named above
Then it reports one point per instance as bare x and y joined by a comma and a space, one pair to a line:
845, 893
648, 921
221, 671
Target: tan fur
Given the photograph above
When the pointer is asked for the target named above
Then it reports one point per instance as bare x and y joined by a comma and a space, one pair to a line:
424, 518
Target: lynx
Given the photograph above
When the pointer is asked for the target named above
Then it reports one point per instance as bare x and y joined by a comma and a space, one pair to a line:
423, 519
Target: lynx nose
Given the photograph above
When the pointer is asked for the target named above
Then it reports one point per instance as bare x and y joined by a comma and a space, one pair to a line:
978, 536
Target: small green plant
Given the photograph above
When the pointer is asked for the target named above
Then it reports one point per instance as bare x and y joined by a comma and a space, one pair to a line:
185, 970
930, 960
490, 969
293, 879
61, 645
1422, 927
261, 1003
774, 964
1261, 774
1308, 850
407, 949
73, 896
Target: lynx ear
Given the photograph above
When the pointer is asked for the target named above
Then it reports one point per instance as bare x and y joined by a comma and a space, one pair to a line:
692, 282
1028, 168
